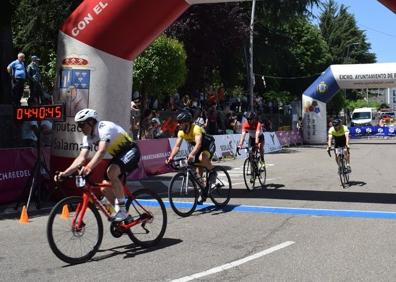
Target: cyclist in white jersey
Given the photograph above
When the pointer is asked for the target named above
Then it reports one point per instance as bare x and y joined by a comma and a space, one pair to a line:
109, 138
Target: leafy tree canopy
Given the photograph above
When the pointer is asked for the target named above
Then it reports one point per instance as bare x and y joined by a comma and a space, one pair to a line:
347, 43
161, 68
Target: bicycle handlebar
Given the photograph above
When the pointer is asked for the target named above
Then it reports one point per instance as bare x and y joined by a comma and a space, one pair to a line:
332, 149
179, 163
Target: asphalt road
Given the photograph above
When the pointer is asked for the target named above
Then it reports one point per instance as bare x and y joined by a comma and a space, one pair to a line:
303, 227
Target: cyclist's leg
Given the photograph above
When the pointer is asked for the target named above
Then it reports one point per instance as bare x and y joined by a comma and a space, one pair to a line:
126, 161
347, 155
113, 172
261, 147
204, 159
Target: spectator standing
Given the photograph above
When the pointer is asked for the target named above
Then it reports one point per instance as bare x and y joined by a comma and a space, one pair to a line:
211, 122
135, 115
300, 125
34, 76
17, 71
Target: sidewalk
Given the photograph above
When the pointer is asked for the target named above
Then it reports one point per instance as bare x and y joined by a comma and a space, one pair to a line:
158, 184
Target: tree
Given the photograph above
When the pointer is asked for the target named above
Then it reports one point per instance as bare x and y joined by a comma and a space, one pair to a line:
213, 39
35, 30
347, 43
161, 68
216, 39
294, 49
6, 49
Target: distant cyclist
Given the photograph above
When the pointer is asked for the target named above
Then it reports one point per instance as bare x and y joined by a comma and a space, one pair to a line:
254, 128
340, 133
113, 139
203, 144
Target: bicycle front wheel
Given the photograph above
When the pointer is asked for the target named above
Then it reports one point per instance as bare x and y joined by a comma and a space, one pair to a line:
220, 190
262, 174
69, 242
342, 172
183, 194
249, 174
148, 208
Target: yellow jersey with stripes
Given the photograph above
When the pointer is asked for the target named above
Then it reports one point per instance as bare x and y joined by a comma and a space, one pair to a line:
340, 133
116, 137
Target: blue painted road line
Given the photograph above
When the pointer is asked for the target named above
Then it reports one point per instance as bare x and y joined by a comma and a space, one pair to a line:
295, 211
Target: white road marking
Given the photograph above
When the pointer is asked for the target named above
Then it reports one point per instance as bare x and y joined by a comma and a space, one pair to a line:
234, 263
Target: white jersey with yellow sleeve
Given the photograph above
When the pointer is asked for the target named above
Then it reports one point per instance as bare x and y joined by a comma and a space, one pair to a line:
117, 138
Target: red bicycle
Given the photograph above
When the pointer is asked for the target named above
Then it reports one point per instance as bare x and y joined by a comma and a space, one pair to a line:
75, 227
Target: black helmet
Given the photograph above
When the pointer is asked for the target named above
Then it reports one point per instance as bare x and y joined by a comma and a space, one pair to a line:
250, 115
184, 116
336, 122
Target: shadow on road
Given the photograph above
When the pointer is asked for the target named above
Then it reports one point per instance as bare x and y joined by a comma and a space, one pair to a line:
325, 196
132, 250
214, 210
357, 183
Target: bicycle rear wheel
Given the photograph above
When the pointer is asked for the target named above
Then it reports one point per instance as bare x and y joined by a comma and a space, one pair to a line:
220, 190
150, 210
70, 243
183, 196
262, 174
249, 174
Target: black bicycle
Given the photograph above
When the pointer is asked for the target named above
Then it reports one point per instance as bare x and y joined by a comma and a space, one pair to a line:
187, 186
253, 168
343, 170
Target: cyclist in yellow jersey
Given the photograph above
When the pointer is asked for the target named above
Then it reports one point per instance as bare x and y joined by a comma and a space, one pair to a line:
109, 138
204, 145
340, 133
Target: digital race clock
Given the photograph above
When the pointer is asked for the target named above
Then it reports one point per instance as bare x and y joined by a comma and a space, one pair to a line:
52, 112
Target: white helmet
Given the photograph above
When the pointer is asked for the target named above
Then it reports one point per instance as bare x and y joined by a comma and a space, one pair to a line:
85, 114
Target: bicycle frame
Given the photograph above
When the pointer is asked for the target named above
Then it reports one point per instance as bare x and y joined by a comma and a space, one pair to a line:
88, 195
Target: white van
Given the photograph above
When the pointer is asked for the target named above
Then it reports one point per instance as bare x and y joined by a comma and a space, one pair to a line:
364, 117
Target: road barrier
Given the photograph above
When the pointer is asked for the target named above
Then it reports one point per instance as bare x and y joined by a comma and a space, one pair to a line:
16, 164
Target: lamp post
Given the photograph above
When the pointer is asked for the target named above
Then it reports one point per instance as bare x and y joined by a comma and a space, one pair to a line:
251, 73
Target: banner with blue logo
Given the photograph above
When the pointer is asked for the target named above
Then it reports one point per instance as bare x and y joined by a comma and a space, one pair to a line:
372, 131
324, 87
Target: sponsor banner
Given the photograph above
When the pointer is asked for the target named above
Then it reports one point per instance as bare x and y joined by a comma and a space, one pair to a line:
272, 143
104, 24
314, 121
15, 169
295, 137
382, 75
372, 131
283, 137
226, 146
153, 154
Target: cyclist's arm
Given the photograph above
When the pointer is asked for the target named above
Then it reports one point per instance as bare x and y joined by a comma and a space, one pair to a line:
100, 153
258, 131
79, 161
329, 141
347, 139
176, 148
242, 138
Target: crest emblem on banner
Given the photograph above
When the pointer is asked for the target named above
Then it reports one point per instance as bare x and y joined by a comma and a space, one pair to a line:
322, 87
74, 84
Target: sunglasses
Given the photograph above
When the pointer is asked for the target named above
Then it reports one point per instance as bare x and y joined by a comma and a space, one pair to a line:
81, 124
